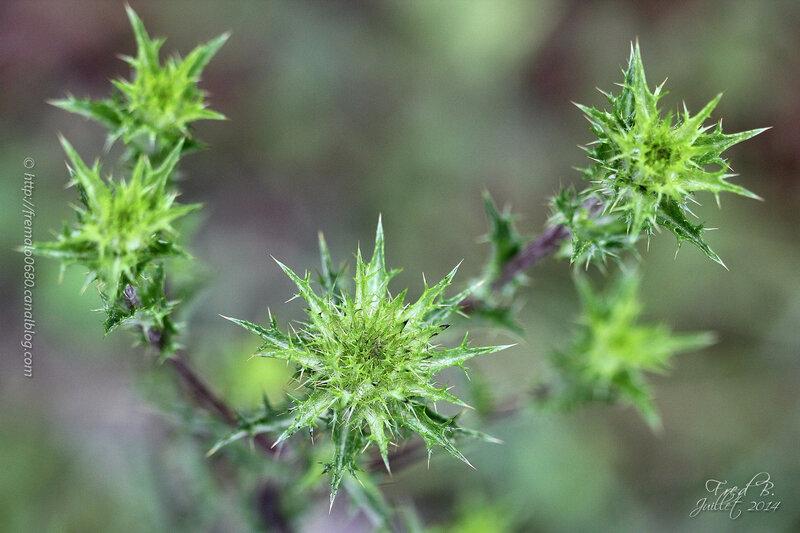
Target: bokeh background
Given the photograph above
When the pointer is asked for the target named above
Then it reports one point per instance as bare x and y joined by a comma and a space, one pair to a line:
339, 112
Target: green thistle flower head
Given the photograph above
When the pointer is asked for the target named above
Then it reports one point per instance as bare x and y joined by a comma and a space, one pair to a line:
153, 111
122, 226
647, 168
368, 361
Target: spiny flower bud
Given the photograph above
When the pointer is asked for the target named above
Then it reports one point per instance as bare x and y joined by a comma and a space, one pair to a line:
647, 168
367, 361
153, 111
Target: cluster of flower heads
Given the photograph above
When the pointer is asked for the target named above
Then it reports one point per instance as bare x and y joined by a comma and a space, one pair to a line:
367, 361
645, 173
125, 227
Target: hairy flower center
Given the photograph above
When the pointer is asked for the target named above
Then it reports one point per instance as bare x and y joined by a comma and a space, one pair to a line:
659, 154
372, 350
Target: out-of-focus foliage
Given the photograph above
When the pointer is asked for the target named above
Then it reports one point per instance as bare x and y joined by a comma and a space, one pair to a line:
477, 516
612, 350
504, 239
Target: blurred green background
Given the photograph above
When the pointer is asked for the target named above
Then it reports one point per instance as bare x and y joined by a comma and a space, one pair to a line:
339, 112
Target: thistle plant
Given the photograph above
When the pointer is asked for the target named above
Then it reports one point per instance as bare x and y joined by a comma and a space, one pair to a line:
646, 171
366, 362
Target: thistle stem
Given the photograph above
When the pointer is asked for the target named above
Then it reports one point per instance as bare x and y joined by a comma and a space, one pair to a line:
536, 250
539, 248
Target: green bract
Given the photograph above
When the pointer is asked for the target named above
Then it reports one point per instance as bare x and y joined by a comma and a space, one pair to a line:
597, 233
152, 112
505, 241
612, 351
367, 361
647, 168
486, 302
